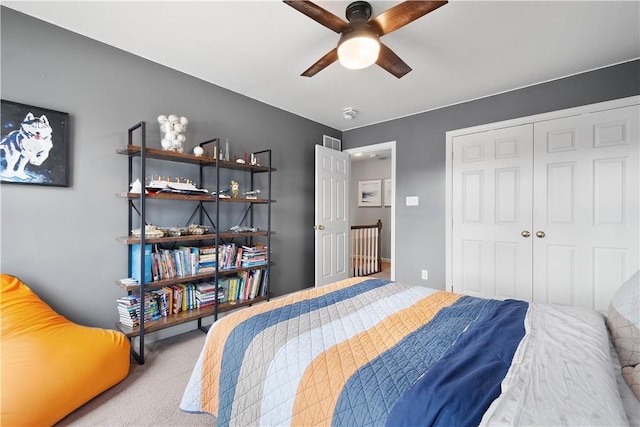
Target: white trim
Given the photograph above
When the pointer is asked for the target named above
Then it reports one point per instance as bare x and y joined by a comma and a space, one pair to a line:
448, 216
575, 111
391, 145
584, 109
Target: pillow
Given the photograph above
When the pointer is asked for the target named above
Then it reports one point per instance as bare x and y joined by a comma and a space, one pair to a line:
623, 321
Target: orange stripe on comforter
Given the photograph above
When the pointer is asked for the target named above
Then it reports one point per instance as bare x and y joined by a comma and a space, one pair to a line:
224, 326
324, 379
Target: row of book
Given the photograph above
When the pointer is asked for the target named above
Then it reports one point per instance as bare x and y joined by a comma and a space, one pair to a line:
232, 256
173, 299
246, 285
157, 303
190, 260
169, 263
253, 256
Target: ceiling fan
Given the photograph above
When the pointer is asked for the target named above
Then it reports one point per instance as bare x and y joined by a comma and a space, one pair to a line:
359, 45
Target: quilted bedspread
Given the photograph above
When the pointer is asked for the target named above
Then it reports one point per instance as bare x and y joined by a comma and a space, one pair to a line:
367, 352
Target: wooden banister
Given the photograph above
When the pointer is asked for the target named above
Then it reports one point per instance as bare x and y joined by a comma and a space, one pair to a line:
366, 241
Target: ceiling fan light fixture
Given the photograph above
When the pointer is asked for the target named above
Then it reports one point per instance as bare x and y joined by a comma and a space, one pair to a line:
358, 49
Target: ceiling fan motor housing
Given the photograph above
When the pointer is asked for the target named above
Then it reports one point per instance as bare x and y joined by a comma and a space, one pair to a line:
358, 11
358, 14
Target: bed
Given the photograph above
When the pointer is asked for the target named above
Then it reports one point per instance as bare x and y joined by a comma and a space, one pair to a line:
377, 352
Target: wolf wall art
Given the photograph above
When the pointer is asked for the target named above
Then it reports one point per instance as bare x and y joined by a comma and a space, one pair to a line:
34, 148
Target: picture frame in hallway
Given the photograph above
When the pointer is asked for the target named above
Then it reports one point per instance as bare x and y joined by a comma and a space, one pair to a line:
387, 192
369, 193
34, 144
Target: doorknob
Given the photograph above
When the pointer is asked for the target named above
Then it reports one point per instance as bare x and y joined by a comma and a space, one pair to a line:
318, 227
540, 234
525, 233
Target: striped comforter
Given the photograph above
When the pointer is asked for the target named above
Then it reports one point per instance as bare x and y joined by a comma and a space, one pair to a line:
364, 351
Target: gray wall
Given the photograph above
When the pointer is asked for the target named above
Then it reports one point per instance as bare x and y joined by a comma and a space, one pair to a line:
420, 155
62, 241
367, 215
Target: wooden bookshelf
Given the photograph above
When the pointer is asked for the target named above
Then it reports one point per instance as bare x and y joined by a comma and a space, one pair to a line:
138, 157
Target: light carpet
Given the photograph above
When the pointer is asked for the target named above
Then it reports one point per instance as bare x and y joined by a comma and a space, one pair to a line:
151, 393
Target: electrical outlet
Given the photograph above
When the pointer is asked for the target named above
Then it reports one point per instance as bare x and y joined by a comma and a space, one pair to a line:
425, 274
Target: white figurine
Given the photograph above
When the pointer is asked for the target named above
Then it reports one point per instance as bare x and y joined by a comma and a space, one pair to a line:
172, 129
198, 151
136, 187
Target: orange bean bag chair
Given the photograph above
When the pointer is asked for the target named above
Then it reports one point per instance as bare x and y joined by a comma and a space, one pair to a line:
50, 365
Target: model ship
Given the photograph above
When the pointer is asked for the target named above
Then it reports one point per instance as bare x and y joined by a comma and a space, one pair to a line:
161, 184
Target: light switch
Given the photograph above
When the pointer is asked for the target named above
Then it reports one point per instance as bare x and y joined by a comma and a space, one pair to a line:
412, 201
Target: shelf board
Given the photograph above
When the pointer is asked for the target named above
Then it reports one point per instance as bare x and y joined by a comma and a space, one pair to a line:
195, 277
192, 197
130, 240
184, 317
154, 153
244, 200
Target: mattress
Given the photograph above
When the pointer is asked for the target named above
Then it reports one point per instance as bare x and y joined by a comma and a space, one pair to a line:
377, 352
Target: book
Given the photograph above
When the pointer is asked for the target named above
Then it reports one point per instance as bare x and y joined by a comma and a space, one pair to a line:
254, 256
136, 261
206, 294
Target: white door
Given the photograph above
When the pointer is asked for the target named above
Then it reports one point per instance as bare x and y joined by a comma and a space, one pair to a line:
578, 178
492, 213
331, 215
586, 207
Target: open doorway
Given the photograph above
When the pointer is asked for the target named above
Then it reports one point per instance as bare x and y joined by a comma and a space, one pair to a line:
375, 164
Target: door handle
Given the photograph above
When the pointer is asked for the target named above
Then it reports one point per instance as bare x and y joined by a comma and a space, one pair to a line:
540, 234
525, 233
318, 227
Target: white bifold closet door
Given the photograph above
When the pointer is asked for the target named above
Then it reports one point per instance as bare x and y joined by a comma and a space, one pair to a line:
586, 204
548, 211
492, 205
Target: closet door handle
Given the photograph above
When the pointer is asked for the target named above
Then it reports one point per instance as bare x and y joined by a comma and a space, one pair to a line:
525, 233
318, 227
540, 234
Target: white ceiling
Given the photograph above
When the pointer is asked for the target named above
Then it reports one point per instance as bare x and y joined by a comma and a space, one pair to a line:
463, 50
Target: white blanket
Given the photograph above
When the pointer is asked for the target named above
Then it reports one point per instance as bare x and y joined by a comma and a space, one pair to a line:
562, 373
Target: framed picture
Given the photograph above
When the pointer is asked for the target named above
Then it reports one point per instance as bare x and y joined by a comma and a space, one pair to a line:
387, 192
369, 193
34, 148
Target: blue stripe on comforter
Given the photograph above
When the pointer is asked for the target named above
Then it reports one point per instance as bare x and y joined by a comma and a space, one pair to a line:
370, 393
242, 335
459, 388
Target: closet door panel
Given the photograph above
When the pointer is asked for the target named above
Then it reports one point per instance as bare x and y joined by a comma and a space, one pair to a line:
561, 193
491, 208
585, 197
560, 286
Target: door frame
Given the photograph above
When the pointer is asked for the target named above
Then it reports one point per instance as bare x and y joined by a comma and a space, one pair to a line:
390, 145
583, 109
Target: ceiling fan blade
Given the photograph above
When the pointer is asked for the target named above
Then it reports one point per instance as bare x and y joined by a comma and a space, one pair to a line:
319, 15
391, 62
322, 63
402, 14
